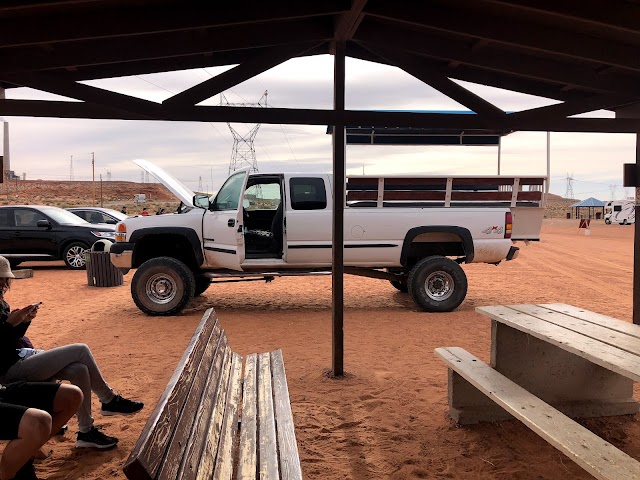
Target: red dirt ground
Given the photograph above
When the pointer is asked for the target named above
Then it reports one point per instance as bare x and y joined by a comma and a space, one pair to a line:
388, 417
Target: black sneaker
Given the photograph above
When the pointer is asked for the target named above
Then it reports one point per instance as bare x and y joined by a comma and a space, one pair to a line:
26, 472
121, 406
94, 438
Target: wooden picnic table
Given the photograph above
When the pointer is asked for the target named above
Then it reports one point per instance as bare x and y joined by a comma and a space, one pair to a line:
581, 362
550, 362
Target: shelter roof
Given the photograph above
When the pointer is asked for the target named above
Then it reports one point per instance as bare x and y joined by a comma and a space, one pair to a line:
589, 202
580, 53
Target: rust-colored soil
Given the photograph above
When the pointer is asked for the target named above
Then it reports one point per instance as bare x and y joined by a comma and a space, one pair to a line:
388, 417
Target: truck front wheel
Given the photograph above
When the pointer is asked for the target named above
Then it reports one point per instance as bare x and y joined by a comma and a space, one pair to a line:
437, 284
162, 286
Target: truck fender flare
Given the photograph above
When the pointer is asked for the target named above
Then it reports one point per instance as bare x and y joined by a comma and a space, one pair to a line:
463, 233
189, 233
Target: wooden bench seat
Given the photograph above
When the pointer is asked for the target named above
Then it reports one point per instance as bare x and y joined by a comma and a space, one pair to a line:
219, 420
596, 456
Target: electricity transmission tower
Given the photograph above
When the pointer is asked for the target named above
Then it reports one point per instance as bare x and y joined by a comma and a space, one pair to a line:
569, 192
612, 189
108, 175
243, 153
71, 169
199, 184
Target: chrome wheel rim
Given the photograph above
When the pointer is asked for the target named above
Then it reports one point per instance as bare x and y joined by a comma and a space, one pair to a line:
75, 256
439, 286
161, 288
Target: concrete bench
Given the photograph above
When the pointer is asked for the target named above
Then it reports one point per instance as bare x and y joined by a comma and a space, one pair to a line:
596, 456
216, 419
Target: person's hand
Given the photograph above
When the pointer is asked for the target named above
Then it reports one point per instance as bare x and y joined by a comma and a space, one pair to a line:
20, 315
32, 311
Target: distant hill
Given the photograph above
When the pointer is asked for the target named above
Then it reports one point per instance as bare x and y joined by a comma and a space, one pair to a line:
115, 194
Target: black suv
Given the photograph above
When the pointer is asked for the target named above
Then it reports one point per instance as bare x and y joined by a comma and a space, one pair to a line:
30, 232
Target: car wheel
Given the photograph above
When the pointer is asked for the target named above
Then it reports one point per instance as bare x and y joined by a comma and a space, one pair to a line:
202, 283
73, 256
162, 286
607, 221
437, 284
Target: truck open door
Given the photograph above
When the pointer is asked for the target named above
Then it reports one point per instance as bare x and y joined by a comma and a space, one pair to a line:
223, 229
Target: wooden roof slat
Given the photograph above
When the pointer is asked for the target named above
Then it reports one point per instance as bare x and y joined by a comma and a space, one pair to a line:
514, 32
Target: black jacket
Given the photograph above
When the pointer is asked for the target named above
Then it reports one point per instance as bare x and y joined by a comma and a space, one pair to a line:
9, 339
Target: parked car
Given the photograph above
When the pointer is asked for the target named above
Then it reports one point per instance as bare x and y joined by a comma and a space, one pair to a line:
98, 215
41, 233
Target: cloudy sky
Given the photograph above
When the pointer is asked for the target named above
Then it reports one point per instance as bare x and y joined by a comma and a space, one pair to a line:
200, 153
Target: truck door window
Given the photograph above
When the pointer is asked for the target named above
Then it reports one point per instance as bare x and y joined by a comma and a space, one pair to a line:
262, 196
308, 193
229, 195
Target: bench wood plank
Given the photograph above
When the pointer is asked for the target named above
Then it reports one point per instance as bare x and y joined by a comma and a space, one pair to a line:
184, 426
598, 457
229, 433
606, 356
218, 377
248, 453
266, 421
597, 318
289, 458
597, 332
207, 462
148, 453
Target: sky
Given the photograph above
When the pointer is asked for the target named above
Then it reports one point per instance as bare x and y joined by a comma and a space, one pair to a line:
199, 153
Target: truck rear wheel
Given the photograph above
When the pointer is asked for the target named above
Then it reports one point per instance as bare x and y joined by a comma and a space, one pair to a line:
437, 284
162, 286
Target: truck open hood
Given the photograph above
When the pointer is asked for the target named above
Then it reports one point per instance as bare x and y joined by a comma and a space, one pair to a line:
173, 184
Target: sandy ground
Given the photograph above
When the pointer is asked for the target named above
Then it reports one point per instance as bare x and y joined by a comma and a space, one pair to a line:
388, 417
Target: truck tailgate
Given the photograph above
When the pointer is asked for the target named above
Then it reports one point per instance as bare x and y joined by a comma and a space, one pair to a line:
527, 222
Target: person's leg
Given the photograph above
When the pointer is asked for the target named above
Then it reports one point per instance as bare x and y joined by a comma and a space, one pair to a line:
65, 404
78, 374
33, 431
48, 364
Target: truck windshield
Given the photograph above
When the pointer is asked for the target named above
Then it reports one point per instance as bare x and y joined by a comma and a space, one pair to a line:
228, 197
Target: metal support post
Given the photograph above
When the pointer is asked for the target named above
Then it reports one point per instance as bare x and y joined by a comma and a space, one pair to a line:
636, 240
337, 270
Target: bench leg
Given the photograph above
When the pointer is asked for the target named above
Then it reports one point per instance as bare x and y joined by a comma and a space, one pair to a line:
572, 384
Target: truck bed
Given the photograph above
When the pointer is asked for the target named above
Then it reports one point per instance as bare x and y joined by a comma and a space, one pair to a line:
524, 195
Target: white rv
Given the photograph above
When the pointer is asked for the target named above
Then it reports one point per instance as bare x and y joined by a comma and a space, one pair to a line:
622, 212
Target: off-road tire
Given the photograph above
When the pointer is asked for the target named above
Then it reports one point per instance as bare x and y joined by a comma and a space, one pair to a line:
607, 221
437, 284
162, 286
73, 256
201, 285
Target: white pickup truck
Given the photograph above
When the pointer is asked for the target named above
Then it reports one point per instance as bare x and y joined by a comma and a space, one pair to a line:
413, 231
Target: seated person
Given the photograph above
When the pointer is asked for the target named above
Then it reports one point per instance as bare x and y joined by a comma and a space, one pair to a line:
75, 363
29, 414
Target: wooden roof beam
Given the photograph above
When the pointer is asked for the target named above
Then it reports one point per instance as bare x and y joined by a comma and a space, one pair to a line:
112, 100
347, 23
80, 25
495, 60
39, 108
619, 16
513, 32
414, 67
118, 50
567, 109
246, 70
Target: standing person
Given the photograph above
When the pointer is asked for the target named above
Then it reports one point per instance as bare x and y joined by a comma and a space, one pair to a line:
75, 363
29, 414
124, 210
144, 212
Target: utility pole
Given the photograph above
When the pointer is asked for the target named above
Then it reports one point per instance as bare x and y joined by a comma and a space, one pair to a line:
100, 190
93, 175
71, 169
